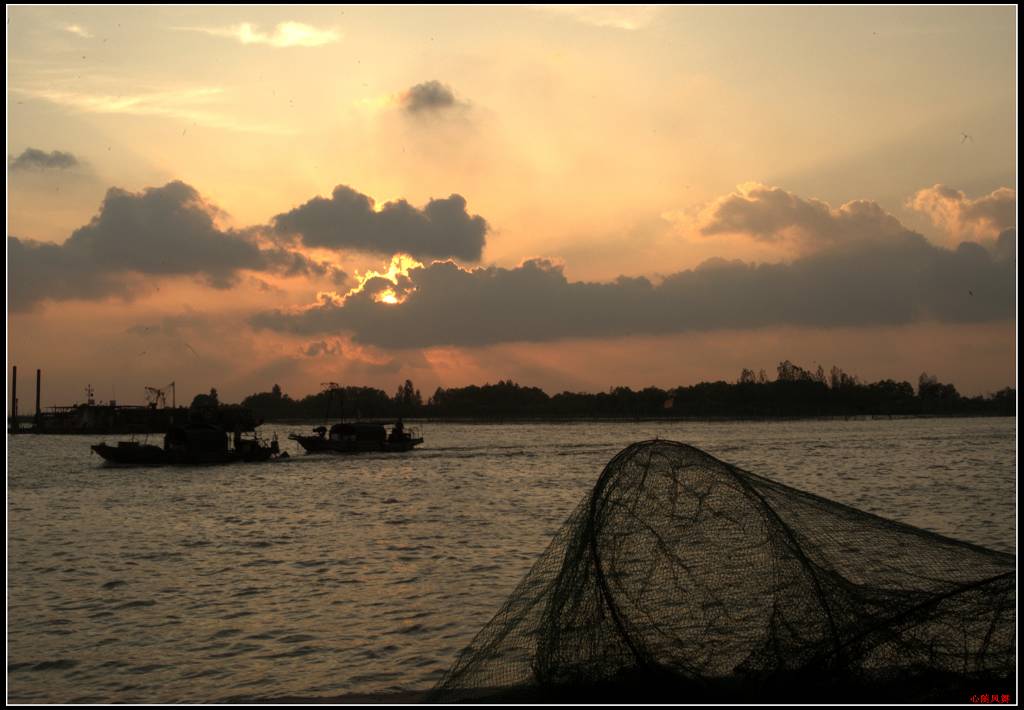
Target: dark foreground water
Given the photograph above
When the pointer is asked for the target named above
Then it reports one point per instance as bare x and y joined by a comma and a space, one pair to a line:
323, 576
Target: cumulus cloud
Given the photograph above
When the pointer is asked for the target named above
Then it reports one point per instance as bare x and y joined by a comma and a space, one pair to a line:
351, 220
78, 30
35, 159
285, 34
429, 97
898, 280
964, 218
771, 214
163, 231
622, 17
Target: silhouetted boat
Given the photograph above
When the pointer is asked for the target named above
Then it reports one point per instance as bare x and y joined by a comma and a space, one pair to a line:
190, 445
358, 437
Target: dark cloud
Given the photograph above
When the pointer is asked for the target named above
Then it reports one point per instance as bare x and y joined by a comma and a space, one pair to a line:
896, 280
166, 230
293, 263
37, 271
163, 231
348, 220
429, 97
1006, 245
321, 347
35, 159
355, 362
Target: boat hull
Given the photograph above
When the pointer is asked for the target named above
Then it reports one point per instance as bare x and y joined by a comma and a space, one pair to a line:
139, 455
320, 444
149, 455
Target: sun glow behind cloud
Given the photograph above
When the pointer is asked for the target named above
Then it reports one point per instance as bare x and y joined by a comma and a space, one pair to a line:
388, 295
397, 273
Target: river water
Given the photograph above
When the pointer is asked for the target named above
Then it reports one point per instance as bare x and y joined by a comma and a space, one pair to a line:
326, 576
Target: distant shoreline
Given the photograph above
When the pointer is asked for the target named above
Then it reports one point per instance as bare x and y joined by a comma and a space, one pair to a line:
634, 420
26, 422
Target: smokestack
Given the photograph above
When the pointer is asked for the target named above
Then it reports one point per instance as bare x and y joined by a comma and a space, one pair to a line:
39, 380
14, 401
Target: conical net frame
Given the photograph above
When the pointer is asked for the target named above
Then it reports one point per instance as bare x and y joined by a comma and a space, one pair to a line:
685, 567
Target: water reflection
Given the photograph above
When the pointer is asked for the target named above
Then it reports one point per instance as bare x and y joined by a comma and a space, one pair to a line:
324, 575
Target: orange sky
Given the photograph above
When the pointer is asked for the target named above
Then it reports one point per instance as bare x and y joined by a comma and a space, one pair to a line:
186, 184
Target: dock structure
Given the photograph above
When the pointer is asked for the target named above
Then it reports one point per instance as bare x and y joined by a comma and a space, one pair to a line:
94, 417
14, 402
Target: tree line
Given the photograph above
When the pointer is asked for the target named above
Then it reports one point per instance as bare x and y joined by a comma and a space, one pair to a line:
794, 392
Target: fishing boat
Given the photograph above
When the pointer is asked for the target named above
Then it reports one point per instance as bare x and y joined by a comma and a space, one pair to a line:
195, 444
356, 437
359, 437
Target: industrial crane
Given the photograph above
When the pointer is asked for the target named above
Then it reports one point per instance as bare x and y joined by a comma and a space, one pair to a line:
157, 396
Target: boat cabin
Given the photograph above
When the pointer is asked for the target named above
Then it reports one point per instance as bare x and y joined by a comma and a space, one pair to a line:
358, 432
197, 439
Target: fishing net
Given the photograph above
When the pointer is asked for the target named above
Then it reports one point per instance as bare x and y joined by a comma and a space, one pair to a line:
680, 577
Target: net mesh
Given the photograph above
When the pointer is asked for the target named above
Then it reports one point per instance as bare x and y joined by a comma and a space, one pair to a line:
681, 572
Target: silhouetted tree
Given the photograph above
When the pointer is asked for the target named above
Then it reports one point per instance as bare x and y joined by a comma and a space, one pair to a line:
408, 397
925, 383
797, 393
936, 397
206, 401
788, 372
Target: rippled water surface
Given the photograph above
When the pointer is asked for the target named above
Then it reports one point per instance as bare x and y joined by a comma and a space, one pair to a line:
325, 575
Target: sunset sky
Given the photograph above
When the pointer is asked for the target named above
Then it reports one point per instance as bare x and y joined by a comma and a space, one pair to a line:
572, 197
